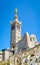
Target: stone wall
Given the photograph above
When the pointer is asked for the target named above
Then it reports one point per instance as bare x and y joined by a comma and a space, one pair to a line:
27, 57
22, 44
25, 43
6, 54
1, 55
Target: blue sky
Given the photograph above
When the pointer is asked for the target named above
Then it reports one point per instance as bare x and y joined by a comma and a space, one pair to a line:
28, 13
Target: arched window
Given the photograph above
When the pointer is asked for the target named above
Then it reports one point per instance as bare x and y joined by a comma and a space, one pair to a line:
18, 27
33, 38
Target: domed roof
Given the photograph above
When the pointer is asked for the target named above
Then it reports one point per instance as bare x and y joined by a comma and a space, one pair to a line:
33, 38
32, 35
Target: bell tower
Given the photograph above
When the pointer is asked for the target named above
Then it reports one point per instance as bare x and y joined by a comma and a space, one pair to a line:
15, 31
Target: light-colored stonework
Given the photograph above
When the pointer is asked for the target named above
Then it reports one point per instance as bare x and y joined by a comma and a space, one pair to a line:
23, 50
1, 54
27, 57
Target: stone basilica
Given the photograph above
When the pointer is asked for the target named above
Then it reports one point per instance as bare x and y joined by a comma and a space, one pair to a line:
17, 42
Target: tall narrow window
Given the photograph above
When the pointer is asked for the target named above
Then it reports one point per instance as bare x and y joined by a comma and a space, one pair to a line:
18, 27
13, 27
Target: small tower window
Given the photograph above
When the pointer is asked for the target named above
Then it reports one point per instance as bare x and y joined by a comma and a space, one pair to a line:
13, 46
13, 27
18, 27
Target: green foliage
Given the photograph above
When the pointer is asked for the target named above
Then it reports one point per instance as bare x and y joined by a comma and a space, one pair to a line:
5, 63
8, 63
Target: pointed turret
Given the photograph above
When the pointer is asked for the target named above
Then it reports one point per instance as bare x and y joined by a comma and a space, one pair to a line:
29, 44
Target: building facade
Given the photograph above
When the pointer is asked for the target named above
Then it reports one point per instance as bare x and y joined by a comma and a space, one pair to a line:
17, 42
